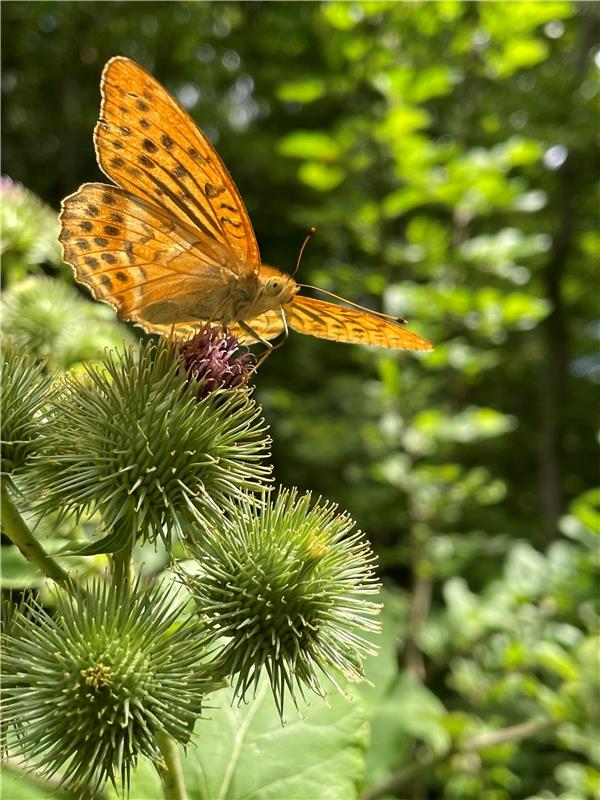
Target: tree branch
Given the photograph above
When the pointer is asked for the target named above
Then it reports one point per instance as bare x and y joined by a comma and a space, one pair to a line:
410, 773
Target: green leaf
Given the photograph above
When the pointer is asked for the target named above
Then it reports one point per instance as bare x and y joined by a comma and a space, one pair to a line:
301, 91
111, 543
399, 707
408, 711
244, 752
586, 508
16, 785
518, 53
309, 145
321, 176
471, 424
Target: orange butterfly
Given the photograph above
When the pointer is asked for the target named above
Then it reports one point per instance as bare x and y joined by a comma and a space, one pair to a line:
171, 246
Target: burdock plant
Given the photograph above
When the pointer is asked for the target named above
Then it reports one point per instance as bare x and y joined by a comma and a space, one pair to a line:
109, 678
130, 441
166, 445
283, 589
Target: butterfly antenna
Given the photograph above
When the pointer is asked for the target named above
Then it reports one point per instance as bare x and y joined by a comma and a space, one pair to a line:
311, 232
372, 311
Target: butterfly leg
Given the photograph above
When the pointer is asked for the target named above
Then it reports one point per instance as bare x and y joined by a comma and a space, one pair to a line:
273, 347
245, 327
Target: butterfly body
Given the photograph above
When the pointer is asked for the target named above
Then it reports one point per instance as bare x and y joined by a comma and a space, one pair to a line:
171, 246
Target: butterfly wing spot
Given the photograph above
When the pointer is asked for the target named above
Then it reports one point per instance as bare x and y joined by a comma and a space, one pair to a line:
108, 199
193, 153
116, 217
181, 172
142, 105
100, 241
111, 230
109, 258
122, 277
166, 141
117, 162
92, 210
149, 146
229, 222
144, 123
213, 191
92, 262
118, 145
86, 226
146, 162
106, 281
83, 244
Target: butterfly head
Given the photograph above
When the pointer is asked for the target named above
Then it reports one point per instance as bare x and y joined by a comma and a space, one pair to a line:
276, 286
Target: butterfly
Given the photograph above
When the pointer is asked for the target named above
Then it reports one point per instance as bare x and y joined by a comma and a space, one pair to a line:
171, 247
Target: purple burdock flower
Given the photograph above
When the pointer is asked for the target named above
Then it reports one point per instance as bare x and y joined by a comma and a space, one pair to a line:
213, 359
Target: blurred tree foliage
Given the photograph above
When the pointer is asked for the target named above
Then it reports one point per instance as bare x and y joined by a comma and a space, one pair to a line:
445, 152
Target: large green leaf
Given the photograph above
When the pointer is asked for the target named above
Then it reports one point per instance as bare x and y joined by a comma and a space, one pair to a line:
15, 784
245, 752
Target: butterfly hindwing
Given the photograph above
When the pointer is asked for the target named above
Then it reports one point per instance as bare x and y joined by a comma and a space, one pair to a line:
152, 269
148, 144
342, 324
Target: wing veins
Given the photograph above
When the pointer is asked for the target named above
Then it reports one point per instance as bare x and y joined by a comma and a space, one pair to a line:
168, 191
181, 224
215, 217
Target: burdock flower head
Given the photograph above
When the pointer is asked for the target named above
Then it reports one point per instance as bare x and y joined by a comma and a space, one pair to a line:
24, 392
94, 687
213, 359
131, 441
284, 588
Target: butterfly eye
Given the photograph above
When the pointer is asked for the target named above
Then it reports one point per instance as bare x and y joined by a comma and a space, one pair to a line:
273, 286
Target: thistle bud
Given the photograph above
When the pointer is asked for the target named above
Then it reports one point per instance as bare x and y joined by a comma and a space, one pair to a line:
130, 440
100, 680
24, 392
284, 589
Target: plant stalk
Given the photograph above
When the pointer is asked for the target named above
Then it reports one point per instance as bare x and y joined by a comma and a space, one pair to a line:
123, 568
15, 527
172, 773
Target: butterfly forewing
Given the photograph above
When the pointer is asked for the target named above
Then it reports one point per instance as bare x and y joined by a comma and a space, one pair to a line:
154, 270
342, 324
147, 144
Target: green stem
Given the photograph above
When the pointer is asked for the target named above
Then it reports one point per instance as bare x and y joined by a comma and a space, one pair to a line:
172, 773
123, 568
16, 529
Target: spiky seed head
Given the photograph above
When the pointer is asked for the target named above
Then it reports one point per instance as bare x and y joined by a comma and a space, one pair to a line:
29, 231
98, 681
24, 391
130, 440
213, 359
50, 320
285, 589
